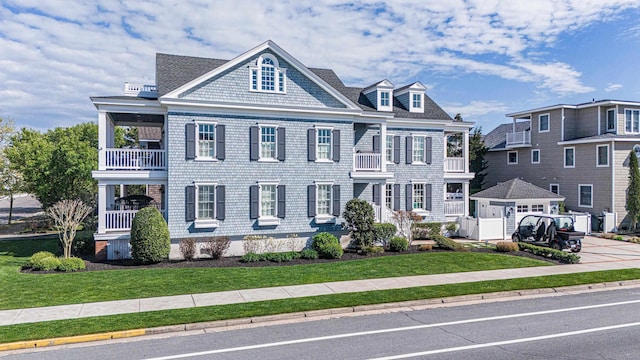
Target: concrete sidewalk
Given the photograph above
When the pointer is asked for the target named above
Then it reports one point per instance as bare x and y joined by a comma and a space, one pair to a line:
75, 311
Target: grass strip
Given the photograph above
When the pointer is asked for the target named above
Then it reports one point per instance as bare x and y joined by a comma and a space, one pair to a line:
44, 330
25, 290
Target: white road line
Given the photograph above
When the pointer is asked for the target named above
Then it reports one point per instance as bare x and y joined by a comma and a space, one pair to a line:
417, 327
507, 342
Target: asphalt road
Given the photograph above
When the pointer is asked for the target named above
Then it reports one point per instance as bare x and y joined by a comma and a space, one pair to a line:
23, 206
593, 325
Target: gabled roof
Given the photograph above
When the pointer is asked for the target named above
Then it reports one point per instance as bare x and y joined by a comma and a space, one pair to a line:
516, 189
173, 71
496, 139
417, 86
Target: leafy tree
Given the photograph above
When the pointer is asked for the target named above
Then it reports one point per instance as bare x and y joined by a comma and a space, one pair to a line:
57, 165
67, 216
477, 162
6, 129
359, 218
633, 190
458, 117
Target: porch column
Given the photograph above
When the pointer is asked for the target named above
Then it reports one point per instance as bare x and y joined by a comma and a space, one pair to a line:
102, 140
383, 147
102, 208
465, 191
465, 146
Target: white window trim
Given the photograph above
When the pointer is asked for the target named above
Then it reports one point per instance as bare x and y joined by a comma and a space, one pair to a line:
615, 120
597, 155
330, 159
324, 218
538, 151
387, 148
278, 70
413, 149
419, 108
625, 122
579, 198
215, 133
384, 196
548, 123
537, 211
556, 185
379, 102
564, 157
260, 158
419, 212
512, 163
206, 223
267, 220
522, 208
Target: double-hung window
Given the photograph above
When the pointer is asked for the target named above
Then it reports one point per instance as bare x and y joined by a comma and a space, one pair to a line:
631, 121
388, 196
543, 123
418, 149
585, 195
389, 149
602, 155
267, 75
323, 144
323, 201
535, 156
205, 204
384, 99
570, 157
554, 188
205, 141
416, 101
418, 196
267, 203
268, 142
323, 207
512, 157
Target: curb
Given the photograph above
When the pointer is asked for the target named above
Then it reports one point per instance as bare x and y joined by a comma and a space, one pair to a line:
337, 312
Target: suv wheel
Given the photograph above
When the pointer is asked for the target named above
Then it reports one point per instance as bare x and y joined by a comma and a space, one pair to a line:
515, 238
556, 245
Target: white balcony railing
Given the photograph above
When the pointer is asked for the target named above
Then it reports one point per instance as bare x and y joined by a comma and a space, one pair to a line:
367, 162
120, 220
519, 138
454, 164
140, 90
454, 207
135, 159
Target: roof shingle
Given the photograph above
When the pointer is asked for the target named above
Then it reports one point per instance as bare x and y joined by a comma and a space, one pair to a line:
516, 189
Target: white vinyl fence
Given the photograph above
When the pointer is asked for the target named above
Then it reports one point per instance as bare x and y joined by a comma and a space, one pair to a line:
483, 228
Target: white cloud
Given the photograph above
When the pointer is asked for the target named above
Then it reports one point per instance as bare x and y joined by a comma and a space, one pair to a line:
57, 53
613, 87
476, 109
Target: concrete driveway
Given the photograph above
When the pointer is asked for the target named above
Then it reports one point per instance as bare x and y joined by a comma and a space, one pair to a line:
598, 250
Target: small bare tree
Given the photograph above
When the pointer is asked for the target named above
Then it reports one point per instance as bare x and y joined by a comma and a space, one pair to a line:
404, 221
67, 216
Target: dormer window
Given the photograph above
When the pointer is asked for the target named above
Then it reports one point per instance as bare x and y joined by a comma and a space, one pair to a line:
416, 101
267, 76
384, 98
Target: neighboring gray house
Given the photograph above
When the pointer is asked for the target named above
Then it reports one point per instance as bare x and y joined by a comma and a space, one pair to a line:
578, 151
261, 144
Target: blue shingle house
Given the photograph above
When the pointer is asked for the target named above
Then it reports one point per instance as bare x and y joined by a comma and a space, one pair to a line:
263, 145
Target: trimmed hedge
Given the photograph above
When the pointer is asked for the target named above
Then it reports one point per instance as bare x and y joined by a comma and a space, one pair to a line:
47, 264
35, 260
559, 255
398, 244
309, 254
383, 232
150, 242
331, 251
71, 264
446, 243
327, 246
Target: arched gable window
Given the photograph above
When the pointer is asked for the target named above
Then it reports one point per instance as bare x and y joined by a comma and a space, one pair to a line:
267, 75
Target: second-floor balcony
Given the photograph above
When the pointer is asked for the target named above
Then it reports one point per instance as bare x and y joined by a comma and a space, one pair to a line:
519, 138
135, 159
454, 164
367, 162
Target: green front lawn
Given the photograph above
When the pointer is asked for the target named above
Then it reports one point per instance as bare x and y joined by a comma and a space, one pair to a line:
34, 290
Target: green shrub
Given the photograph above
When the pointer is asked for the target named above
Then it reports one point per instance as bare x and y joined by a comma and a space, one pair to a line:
451, 228
398, 243
83, 244
150, 242
446, 243
373, 250
618, 237
383, 232
251, 257
425, 247
331, 251
359, 218
309, 254
37, 258
564, 257
46, 264
322, 239
506, 246
71, 264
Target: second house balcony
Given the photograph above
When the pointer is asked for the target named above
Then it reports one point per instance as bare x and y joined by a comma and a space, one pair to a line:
134, 159
519, 139
369, 166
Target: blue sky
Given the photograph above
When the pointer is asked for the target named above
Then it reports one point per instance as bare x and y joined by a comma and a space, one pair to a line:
481, 58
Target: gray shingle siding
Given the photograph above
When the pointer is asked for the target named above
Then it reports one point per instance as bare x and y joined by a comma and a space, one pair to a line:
237, 173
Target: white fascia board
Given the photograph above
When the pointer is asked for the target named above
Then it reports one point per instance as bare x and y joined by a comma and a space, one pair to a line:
593, 141
133, 109
240, 109
415, 87
459, 125
243, 57
419, 123
581, 106
517, 200
100, 103
527, 113
384, 85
